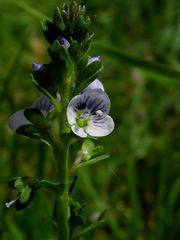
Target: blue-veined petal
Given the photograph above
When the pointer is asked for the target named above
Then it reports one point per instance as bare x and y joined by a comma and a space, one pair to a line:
17, 120
79, 131
93, 100
71, 110
101, 127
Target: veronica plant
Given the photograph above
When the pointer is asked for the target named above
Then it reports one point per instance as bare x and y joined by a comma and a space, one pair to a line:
71, 93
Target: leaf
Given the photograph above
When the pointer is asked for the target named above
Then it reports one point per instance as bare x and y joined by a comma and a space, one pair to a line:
29, 131
90, 162
90, 228
57, 187
55, 102
57, 19
78, 214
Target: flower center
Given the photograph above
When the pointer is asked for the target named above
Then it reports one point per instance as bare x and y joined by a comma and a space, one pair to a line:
82, 119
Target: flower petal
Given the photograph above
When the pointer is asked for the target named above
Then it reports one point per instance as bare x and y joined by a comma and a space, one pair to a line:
79, 131
43, 104
38, 67
64, 42
93, 59
100, 128
96, 84
17, 120
71, 110
93, 100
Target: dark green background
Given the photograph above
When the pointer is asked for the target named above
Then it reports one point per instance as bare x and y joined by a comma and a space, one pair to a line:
139, 184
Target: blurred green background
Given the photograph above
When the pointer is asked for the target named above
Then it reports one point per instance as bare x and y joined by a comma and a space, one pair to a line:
139, 184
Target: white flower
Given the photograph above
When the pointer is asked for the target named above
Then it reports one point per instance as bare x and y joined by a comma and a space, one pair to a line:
87, 113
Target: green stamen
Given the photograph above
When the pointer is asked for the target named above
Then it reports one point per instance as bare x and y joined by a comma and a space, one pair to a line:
82, 120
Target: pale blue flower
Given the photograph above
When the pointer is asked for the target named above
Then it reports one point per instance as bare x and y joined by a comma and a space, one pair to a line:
87, 113
93, 59
39, 67
63, 41
18, 119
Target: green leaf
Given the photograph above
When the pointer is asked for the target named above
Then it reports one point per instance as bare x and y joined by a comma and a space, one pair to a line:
158, 72
55, 102
89, 229
57, 19
57, 187
29, 131
91, 161
78, 214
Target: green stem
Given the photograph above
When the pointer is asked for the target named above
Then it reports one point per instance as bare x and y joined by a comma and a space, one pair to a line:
67, 87
61, 154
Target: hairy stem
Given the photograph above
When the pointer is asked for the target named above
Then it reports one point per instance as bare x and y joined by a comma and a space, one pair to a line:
61, 154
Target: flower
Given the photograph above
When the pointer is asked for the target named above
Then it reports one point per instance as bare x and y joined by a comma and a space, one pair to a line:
18, 119
87, 113
39, 67
64, 42
93, 59
26, 188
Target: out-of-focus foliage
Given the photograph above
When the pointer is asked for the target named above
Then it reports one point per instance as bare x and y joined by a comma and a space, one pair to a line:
139, 185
